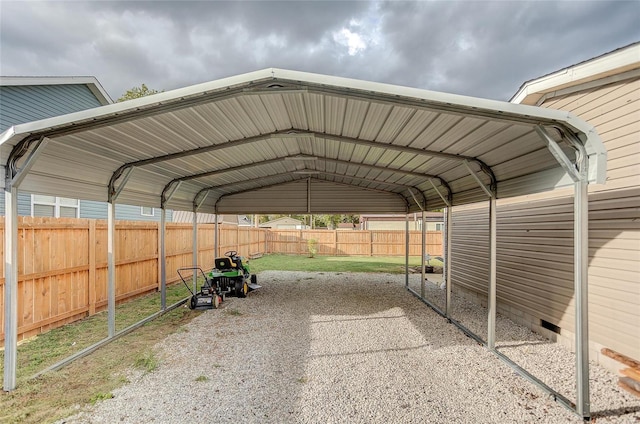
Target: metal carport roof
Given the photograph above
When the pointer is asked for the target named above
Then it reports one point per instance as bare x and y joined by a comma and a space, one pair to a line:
294, 140
284, 141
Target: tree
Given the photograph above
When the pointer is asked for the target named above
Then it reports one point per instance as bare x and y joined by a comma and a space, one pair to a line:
137, 92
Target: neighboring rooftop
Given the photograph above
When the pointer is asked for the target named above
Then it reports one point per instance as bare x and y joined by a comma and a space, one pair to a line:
616, 65
26, 99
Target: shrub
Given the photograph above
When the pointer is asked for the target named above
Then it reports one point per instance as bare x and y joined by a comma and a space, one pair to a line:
312, 245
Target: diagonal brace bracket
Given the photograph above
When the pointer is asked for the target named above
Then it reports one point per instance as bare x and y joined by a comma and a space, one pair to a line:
490, 193
558, 154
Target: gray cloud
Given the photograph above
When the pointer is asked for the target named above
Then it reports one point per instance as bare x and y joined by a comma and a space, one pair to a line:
483, 49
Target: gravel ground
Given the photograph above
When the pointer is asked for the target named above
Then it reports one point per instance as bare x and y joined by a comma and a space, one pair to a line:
350, 348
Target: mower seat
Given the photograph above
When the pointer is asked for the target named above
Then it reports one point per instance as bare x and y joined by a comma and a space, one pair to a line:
224, 264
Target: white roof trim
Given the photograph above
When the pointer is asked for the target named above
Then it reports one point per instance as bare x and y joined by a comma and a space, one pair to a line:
621, 60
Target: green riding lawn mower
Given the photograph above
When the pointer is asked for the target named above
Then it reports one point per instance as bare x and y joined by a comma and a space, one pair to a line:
229, 277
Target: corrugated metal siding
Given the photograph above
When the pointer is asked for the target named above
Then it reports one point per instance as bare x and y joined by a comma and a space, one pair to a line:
470, 247
201, 218
20, 104
294, 198
346, 198
535, 237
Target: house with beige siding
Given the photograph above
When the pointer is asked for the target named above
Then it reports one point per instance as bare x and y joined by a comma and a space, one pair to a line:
434, 221
535, 233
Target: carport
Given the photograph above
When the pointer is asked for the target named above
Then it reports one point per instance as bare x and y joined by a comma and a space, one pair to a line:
278, 141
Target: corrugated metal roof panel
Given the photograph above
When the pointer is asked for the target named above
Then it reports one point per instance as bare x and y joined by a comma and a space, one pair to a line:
375, 118
246, 132
335, 108
354, 118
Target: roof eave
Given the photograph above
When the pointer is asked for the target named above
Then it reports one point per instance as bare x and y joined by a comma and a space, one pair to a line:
492, 107
617, 61
91, 82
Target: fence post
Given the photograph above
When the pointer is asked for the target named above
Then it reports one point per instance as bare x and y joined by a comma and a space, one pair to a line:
370, 243
92, 267
158, 256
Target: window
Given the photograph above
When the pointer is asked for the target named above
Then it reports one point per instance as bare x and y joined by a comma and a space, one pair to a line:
439, 227
146, 211
57, 207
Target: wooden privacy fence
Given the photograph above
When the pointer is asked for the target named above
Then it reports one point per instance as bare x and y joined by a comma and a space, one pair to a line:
353, 243
62, 263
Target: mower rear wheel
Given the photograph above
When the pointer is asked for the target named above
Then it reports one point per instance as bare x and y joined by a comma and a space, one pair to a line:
216, 301
254, 279
193, 302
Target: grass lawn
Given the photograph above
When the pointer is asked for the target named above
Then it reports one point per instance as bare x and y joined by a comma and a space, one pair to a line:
394, 264
57, 394
89, 379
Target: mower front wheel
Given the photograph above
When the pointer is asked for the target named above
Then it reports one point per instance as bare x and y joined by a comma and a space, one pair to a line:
241, 288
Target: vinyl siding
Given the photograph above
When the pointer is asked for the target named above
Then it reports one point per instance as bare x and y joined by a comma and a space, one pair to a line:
20, 104
24, 203
98, 210
535, 234
294, 197
91, 209
615, 112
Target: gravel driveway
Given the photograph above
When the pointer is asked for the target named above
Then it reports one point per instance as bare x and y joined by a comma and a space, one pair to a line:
349, 348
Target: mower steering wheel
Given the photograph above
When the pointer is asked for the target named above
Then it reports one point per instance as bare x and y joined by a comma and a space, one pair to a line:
230, 253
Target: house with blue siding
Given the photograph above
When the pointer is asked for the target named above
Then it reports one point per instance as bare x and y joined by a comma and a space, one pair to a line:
26, 99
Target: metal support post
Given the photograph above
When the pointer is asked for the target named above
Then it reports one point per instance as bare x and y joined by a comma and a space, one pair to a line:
215, 237
581, 269
13, 179
491, 303
195, 247
163, 260
423, 283
491, 292
10, 286
111, 269
580, 175
448, 227
406, 250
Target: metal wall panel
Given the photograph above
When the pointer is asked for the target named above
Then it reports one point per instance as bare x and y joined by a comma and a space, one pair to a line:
351, 200
295, 197
286, 198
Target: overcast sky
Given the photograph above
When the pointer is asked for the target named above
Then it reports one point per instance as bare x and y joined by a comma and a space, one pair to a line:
484, 49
